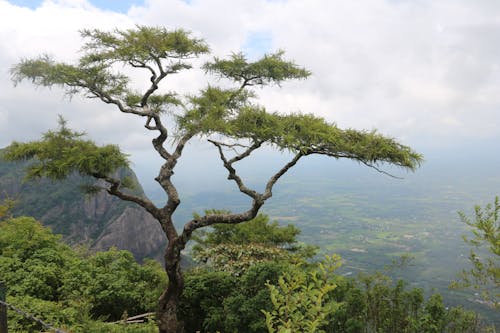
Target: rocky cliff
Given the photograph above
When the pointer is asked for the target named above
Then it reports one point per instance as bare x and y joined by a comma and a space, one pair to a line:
99, 221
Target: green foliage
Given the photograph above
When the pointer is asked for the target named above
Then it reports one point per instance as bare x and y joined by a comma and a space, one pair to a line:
68, 289
59, 314
238, 258
5, 207
63, 152
235, 248
485, 255
113, 283
304, 133
300, 299
32, 259
272, 68
70, 316
202, 300
258, 230
373, 303
220, 301
433, 319
142, 45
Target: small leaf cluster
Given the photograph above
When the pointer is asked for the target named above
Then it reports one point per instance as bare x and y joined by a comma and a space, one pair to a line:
93, 81
270, 69
238, 258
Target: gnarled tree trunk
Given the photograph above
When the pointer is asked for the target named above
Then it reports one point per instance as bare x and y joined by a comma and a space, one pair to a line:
169, 300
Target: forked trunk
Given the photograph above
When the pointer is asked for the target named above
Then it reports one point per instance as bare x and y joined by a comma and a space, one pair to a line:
169, 300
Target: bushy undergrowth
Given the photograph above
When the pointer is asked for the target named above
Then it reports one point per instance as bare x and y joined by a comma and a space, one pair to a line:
72, 289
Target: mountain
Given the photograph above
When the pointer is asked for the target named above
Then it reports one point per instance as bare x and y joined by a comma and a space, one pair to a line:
99, 221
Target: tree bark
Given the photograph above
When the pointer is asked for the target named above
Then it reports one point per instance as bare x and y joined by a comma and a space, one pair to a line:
168, 321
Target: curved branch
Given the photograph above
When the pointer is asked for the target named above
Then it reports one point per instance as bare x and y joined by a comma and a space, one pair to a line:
258, 199
269, 186
355, 158
380, 170
161, 138
210, 219
106, 98
167, 171
228, 164
114, 189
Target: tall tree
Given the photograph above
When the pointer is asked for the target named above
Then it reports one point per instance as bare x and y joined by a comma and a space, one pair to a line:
229, 118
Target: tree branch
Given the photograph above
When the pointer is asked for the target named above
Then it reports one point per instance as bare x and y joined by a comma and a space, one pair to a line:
166, 172
232, 172
106, 98
269, 186
210, 219
352, 157
258, 199
114, 189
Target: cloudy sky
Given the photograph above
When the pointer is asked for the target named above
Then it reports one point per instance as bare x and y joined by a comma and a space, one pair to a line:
423, 71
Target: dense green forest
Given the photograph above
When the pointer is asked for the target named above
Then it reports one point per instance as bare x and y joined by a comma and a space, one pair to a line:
253, 277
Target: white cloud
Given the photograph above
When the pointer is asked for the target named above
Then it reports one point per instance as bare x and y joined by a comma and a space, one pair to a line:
416, 70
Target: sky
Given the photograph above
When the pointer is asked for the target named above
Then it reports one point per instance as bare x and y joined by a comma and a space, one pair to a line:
425, 72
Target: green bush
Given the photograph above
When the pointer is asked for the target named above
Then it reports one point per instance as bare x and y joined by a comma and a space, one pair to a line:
65, 288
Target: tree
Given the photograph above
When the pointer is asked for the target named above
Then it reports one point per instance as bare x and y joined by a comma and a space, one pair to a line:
257, 230
5, 206
484, 274
300, 299
235, 248
229, 118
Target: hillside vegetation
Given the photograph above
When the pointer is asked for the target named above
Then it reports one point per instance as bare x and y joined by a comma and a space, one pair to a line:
274, 287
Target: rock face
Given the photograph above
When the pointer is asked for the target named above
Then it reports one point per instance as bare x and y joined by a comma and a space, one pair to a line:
134, 230
99, 221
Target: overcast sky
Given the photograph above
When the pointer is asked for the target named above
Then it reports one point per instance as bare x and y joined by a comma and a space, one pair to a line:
423, 71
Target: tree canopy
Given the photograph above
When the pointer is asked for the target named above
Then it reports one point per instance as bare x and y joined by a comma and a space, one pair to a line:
231, 112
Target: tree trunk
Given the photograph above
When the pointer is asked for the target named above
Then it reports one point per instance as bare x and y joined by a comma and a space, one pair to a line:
169, 300
3, 309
